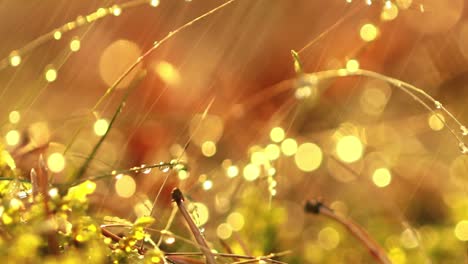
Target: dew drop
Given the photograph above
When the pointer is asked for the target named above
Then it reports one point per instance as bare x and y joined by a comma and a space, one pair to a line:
135, 169
15, 58
145, 170
464, 130
22, 194
438, 104
164, 167
463, 148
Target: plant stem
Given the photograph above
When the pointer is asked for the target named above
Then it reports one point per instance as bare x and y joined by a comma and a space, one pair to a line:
316, 207
178, 198
42, 178
93, 153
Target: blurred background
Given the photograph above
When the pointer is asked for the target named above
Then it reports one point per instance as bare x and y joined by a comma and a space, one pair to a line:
222, 96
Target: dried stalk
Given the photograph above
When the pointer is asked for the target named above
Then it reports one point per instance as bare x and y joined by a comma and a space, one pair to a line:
316, 207
178, 198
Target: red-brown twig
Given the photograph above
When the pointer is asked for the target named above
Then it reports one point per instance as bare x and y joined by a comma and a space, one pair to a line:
178, 198
41, 182
316, 207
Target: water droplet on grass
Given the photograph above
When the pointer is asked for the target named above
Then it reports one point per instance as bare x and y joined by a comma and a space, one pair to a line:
464, 130
164, 167
145, 170
463, 148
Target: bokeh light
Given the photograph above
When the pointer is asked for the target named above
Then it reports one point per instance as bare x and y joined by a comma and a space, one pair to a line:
50, 73
277, 134
57, 35
75, 44
116, 59
352, 65
200, 212
56, 162
12, 138
251, 172
272, 151
404, 4
224, 231
208, 148
349, 149
204, 128
168, 73
289, 147
125, 186
374, 97
100, 127
236, 221
207, 185
389, 12
382, 177
232, 171
436, 121
15, 58
368, 32
14, 117
308, 157
461, 230
328, 238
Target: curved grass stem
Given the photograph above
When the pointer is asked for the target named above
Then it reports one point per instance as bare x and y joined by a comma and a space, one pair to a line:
316, 207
